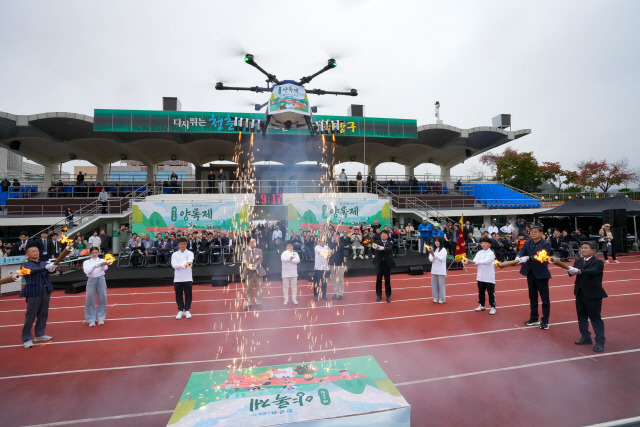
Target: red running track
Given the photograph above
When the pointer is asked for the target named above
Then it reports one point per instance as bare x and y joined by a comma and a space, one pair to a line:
454, 366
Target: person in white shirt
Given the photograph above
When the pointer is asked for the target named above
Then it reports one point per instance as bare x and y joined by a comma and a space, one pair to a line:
507, 228
94, 268
493, 228
182, 261
94, 241
438, 259
486, 275
290, 261
276, 237
321, 268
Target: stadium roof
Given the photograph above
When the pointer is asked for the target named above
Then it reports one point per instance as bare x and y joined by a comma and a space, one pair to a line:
52, 138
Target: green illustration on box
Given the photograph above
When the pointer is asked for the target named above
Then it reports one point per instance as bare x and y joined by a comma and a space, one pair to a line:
310, 215
292, 393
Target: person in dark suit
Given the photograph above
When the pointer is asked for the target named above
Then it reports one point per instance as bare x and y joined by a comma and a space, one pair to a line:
56, 246
383, 261
538, 276
20, 247
589, 294
44, 246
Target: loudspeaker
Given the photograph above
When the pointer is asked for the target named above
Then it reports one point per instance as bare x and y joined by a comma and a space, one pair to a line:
74, 288
416, 270
219, 281
620, 239
14, 145
617, 218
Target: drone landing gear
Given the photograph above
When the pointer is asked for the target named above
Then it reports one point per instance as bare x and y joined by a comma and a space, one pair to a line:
307, 119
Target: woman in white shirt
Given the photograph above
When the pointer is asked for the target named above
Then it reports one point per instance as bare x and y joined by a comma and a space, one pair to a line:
94, 241
438, 258
94, 268
486, 275
290, 261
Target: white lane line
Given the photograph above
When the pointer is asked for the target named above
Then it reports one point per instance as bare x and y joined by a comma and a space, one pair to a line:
239, 287
634, 421
512, 368
310, 325
298, 353
240, 297
329, 305
113, 417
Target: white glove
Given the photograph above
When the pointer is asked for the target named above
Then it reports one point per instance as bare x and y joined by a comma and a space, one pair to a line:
573, 270
50, 267
523, 259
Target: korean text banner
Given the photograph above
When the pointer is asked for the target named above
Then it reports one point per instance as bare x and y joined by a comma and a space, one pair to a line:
344, 392
310, 215
162, 217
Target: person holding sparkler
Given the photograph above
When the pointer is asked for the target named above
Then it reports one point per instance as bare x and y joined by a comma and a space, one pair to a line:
321, 269
384, 263
94, 268
252, 273
536, 269
438, 259
182, 261
37, 292
290, 261
486, 275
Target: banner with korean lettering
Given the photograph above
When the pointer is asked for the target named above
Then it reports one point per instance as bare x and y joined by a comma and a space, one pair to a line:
311, 214
162, 217
288, 98
343, 392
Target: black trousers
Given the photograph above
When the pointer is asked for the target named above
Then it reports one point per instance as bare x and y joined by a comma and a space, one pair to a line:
104, 207
183, 287
489, 288
590, 309
37, 307
385, 271
605, 253
538, 286
320, 277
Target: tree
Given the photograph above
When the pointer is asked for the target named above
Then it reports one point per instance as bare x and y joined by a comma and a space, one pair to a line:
604, 175
552, 173
520, 170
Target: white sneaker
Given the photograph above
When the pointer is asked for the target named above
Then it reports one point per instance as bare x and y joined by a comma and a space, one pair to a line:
179, 315
354, 257
28, 344
616, 261
435, 301
480, 308
366, 257
92, 324
361, 257
187, 314
100, 322
286, 302
492, 311
295, 302
440, 302
607, 261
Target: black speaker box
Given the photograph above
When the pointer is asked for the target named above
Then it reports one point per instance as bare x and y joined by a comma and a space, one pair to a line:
617, 218
219, 281
75, 288
416, 270
620, 239
15, 145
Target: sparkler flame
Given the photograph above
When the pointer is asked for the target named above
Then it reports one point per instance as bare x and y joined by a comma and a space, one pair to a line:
427, 247
542, 256
333, 137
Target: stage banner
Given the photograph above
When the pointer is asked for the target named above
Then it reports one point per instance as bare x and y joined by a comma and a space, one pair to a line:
288, 98
344, 392
311, 214
162, 217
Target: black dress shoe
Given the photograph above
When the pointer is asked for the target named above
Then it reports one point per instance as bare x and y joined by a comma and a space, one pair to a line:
247, 307
317, 297
334, 296
339, 297
388, 299
378, 299
584, 341
259, 306
598, 348
324, 297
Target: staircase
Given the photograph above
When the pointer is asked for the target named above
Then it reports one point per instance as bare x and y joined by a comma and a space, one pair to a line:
414, 205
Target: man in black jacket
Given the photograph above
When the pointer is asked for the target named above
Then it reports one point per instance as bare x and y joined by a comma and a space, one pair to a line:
384, 262
44, 246
589, 294
20, 247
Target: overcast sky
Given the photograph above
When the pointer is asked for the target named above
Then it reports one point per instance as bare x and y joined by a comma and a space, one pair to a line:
567, 70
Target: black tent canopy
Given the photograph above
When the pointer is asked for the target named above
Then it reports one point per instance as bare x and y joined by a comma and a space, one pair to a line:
593, 207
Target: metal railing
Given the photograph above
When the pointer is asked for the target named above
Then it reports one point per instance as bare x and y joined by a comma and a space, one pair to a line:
419, 206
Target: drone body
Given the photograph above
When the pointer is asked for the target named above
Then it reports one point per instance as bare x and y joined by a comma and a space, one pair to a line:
288, 106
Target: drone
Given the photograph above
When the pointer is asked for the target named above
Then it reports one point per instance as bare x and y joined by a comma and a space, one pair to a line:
288, 107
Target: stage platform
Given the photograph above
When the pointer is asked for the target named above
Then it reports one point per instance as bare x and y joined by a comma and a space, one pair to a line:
158, 276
